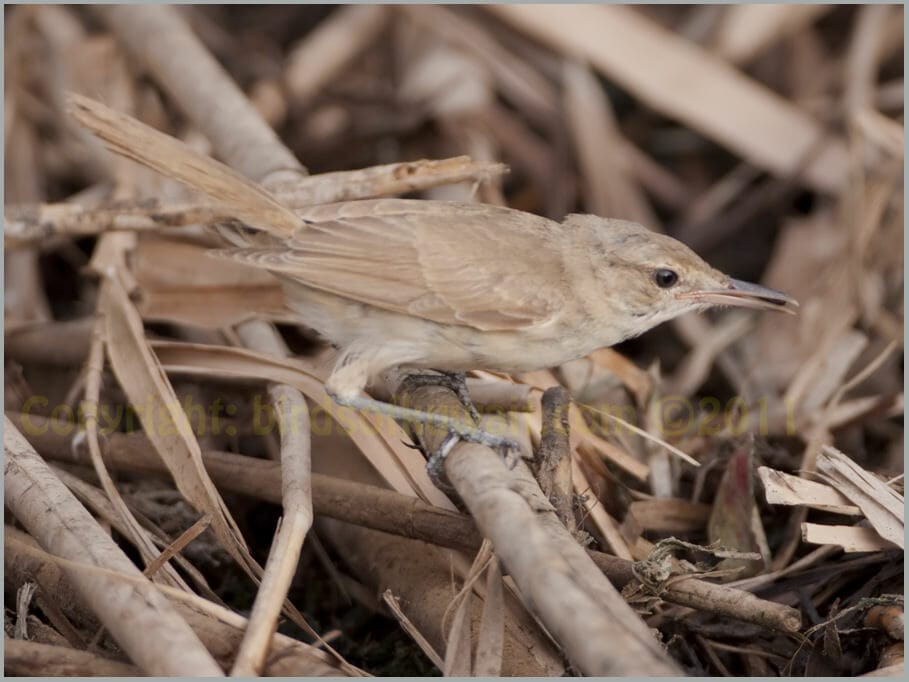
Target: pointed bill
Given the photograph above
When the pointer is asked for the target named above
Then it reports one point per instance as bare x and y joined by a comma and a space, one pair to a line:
746, 295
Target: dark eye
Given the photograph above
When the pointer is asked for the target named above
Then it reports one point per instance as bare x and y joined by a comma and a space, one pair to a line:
665, 278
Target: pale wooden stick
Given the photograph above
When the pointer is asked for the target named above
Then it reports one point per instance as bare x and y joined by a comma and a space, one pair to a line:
379, 509
162, 41
722, 103
609, 188
554, 574
327, 50
24, 658
296, 486
747, 31
154, 636
219, 628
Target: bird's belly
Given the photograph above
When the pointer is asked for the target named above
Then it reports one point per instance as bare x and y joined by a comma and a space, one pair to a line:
433, 345
519, 350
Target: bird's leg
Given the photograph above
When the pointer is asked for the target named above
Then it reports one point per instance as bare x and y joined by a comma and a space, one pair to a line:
454, 381
360, 360
508, 448
464, 432
435, 465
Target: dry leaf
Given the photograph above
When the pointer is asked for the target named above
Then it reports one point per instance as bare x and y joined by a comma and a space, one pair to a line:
378, 437
882, 505
850, 538
734, 523
783, 488
165, 423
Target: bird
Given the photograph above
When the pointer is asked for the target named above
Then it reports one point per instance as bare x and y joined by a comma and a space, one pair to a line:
449, 286
456, 286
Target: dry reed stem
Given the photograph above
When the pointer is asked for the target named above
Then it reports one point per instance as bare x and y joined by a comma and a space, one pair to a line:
747, 31
377, 437
219, 629
491, 638
385, 180
367, 505
28, 223
553, 459
419, 575
556, 577
372, 507
519, 82
458, 634
722, 103
296, 497
100, 505
609, 188
324, 53
142, 621
850, 538
394, 606
139, 374
880, 504
670, 514
54, 587
159, 38
783, 488
24, 658
89, 406
863, 57
603, 523
263, 336
707, 345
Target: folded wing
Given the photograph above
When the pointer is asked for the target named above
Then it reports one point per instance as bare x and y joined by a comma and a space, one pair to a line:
481, 266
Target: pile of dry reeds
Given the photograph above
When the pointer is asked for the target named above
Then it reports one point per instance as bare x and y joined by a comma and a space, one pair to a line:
168, 440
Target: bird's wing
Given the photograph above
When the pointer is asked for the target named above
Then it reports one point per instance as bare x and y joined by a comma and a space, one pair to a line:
476, 265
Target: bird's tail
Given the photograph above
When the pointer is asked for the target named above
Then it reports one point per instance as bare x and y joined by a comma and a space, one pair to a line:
241, 198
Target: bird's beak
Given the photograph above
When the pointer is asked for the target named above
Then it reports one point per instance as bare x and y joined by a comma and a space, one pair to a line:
745, 295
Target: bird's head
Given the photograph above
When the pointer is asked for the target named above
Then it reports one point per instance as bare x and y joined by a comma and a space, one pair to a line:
651, 278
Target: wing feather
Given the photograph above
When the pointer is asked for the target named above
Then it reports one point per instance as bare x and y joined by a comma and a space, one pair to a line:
481, 266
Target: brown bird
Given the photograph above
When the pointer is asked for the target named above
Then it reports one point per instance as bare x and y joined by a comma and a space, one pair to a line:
443, 285
455, 286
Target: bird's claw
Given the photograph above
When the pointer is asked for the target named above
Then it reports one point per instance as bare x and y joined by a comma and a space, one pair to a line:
507, 448
454, 381
510, 452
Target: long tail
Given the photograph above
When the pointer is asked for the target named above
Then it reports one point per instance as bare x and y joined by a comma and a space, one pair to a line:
242, 198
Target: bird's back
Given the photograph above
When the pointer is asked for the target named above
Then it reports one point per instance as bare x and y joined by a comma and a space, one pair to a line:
476, 265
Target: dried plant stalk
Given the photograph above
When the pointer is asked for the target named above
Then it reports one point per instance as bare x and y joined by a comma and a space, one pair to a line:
296, 489
721, 103
24, 658
153, 634
555, 575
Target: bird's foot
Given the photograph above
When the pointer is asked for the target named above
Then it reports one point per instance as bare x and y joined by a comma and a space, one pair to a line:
507, 448
435, 464
454, 381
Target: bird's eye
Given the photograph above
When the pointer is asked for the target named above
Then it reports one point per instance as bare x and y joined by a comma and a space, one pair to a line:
665, 278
